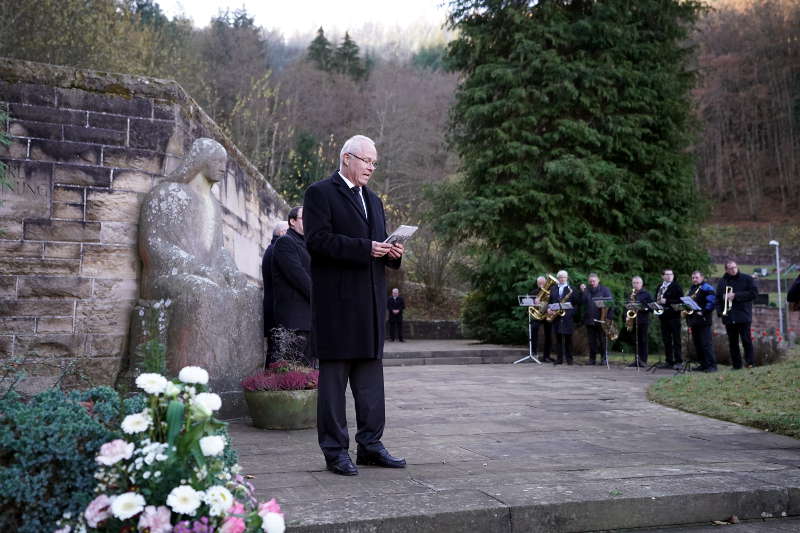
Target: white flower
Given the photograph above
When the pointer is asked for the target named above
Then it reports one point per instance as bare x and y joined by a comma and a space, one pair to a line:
207, 402
171, 389
127, 505
151, 383
114, 451
273, 523
212, 445
136, 423
193, 374
219, 499
184, 500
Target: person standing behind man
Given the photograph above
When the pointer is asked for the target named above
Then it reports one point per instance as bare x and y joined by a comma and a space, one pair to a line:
669, 293
291, 282
544, 324
591, 316
563, 323
740, 314
345, 228
642, 325
266, 277
395, 305
700, 322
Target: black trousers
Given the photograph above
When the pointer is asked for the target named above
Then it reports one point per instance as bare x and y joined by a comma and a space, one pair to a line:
564, 347
642, 342
701, 337
736, 332
547, 327
671, 335
395, 327
595, 334
366, 383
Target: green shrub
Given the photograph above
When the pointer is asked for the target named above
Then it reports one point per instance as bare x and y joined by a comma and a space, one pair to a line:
47, 449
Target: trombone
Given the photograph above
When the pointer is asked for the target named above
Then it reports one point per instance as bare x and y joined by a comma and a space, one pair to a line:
727, 307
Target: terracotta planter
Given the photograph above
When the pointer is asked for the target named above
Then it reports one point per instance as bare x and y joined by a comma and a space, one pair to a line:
283, 409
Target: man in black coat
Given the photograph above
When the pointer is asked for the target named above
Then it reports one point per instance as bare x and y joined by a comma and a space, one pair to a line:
345, 228
395, 305
740, 315
291, 284
564, 325
700, 322
669, 293
793, 296
591, 316
641, 321
266, 276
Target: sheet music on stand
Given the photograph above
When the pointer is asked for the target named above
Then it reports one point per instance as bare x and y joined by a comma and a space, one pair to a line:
689, 302
654, 306
526, 300
602, 301
558, 306
634, 306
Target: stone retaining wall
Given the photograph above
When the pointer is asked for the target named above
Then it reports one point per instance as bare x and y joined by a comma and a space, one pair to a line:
86, 147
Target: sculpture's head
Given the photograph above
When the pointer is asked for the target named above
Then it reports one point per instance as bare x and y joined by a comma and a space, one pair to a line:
207, 157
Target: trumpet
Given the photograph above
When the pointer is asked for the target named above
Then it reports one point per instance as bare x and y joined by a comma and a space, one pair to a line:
630, 315
728, 303
539, 311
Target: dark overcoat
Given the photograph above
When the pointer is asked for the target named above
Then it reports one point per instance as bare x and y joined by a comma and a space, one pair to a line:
395, 304
673, 296
266, 277
348, 306
745, 289
565, 325
590, 310
291, 282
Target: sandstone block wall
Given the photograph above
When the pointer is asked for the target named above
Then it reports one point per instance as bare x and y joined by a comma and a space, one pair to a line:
86, 147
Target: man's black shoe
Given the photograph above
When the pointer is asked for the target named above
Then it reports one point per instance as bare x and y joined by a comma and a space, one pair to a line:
401, 340
380, 458
603, 361
699, 368
635, 364
665, 365
591, 362
342, 465
547, 360
710, 369
557, 362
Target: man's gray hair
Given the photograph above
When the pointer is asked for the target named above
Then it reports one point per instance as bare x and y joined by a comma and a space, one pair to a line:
351, 144
634, 278
594, 275
562, 273
280, 228
541, 278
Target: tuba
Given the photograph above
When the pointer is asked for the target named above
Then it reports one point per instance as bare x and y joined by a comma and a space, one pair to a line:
539, 311
728, 303
630, 315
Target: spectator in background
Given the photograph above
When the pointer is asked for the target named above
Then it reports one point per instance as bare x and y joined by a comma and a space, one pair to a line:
395, 305
266, 276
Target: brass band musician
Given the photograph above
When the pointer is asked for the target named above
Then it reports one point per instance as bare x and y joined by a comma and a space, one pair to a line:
563, 324
546, 325
669, 293
736, 292
640, 321
699, 322
591, 316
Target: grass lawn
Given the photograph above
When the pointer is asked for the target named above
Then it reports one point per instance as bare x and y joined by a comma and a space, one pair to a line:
766, 397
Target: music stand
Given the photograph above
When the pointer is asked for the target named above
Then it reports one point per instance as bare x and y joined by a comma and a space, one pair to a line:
688, 304
635, 306
527, 300
600, 303
655, 306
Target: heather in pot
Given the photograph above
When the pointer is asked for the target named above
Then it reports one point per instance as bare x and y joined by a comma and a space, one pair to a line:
284, 396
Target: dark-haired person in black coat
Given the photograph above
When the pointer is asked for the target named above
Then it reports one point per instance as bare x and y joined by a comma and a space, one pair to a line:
738, 319
291, 283
266, 276
793, 296
395, 305
345, 228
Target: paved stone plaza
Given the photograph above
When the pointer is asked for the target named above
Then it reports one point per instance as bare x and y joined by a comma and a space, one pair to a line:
502, 448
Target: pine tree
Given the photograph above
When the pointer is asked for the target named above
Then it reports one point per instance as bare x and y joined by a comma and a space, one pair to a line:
347, 60
573, 124
320, 52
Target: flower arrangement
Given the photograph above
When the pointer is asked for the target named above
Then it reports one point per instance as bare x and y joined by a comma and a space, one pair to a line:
167, 474
282, 375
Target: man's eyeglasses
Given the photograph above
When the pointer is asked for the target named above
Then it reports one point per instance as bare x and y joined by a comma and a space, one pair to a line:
366, 161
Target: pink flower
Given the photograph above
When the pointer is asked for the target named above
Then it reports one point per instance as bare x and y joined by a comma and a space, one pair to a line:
234, 524
269, 507
98, 510
114, 451
155, 519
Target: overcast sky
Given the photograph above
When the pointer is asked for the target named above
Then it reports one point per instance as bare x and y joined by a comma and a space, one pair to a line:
304, 16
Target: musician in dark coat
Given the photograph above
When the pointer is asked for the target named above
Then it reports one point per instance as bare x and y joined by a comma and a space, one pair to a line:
395, 305
642, 321
291, 282
345, 228
740, 316
564, 326
266, 276
591, 316
668, 294
700, 322
793, 296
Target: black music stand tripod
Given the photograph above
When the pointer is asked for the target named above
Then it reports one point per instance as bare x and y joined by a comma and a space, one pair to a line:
600, 303
655, 306
636, 307
526, 300
690, 306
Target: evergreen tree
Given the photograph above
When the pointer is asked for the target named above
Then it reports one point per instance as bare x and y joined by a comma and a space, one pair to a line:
346, 59
320, 52
573, 123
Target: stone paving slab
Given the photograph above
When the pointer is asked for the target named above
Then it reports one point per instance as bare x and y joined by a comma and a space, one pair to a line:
513, 448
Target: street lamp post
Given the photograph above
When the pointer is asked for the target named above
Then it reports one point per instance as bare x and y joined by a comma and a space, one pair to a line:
777, 246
